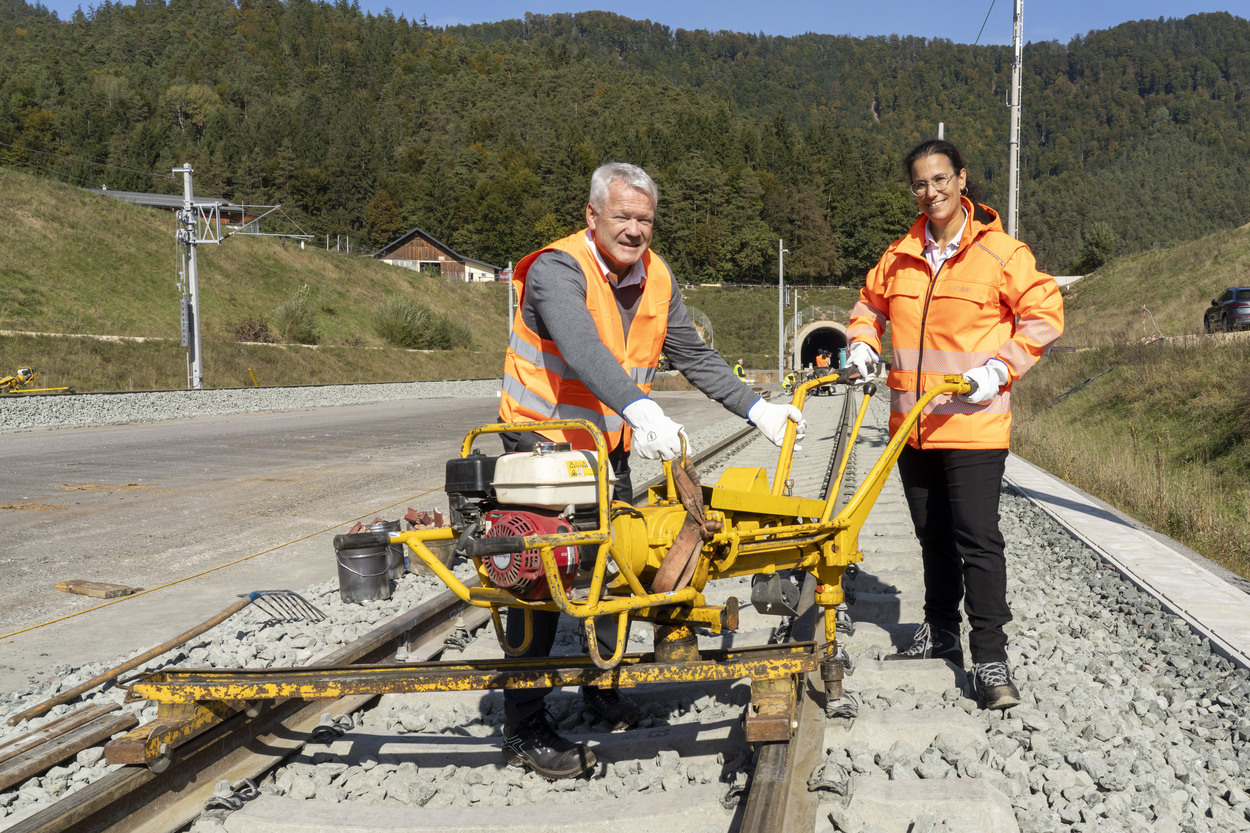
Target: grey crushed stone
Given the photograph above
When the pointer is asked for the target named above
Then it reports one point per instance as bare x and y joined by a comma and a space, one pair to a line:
1129, 720
35, 412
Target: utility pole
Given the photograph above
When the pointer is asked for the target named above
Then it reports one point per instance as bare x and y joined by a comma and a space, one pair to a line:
201, 223
1013, 170
507, 276
187, 240
794, 343
781, 310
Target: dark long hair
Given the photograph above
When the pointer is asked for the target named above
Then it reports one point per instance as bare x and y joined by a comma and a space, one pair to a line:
934, 147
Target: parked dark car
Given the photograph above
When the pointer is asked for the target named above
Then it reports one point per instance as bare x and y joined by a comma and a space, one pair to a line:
1230, 311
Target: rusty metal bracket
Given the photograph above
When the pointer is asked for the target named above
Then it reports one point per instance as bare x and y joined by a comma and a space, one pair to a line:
152, 743
770, 716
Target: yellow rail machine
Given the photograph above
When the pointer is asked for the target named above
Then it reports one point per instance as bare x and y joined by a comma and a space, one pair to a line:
532, 521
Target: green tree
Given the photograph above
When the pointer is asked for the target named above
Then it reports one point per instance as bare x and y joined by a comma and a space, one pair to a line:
382, 221
1097, 247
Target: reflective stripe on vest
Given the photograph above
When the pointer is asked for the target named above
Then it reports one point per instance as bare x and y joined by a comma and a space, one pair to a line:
538, 384
949, 422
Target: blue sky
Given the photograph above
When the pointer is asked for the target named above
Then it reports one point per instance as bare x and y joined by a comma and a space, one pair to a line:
958, 20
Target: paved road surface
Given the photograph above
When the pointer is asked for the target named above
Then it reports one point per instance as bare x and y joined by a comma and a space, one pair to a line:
146, 505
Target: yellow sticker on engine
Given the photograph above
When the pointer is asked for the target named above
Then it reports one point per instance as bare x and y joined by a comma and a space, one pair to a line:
579, 468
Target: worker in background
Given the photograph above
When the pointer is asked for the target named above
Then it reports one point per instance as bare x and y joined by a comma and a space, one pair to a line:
787, 384
822, 359
595, 311
740, 371
961, 296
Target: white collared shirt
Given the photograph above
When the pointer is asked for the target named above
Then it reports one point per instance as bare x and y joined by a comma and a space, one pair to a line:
637, 274
935, 256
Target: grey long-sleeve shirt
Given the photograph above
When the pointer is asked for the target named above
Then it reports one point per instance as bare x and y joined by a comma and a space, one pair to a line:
554, 306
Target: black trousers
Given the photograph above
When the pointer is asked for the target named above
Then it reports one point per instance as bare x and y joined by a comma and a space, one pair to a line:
520, 704
953, 497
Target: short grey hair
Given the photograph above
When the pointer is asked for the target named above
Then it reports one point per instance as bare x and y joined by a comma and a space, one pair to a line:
625, 173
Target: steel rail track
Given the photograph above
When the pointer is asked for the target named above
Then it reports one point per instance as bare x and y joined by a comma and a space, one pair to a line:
778, 800
136, 799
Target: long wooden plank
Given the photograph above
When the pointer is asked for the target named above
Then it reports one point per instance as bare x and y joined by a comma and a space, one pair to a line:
65, 745
96, 589
70, 720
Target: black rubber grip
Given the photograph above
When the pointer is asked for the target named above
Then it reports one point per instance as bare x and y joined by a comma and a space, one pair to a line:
502, 545
360, 540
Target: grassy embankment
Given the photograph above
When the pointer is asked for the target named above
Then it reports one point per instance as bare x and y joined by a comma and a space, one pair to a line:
78, 263
1161, 429
1162, 435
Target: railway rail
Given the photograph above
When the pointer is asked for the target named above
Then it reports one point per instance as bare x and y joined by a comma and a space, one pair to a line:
1092, 784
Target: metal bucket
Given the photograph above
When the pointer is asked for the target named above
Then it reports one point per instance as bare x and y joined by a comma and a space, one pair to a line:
363, 574
442, 550
395, 566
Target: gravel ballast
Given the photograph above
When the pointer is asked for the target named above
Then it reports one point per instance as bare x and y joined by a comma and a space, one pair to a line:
1129, 722
33, 412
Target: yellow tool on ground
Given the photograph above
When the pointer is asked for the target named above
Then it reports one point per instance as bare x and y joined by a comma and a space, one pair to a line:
20, 382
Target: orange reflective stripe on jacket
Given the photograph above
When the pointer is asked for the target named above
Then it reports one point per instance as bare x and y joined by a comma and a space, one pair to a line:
988, 301
538, 385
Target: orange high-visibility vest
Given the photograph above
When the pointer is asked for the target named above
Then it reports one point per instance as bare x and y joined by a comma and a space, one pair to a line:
988, 301
538, 385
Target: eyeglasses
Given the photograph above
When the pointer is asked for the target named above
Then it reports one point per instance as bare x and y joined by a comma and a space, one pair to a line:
939, 183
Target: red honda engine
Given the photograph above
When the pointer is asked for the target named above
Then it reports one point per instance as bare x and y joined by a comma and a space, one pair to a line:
521, 573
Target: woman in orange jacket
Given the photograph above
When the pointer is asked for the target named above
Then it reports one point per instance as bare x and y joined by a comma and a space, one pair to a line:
961, 297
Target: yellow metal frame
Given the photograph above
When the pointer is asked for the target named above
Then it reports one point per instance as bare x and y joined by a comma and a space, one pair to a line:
764, 530
231, 688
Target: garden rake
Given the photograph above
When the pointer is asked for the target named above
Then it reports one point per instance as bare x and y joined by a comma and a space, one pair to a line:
280, 605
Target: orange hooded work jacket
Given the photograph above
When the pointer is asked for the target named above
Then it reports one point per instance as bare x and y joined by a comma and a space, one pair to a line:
538, 385
988, 301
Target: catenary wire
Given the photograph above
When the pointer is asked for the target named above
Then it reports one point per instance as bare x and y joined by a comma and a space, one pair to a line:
983, 22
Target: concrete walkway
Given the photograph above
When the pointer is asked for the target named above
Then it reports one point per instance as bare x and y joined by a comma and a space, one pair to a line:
1170, 572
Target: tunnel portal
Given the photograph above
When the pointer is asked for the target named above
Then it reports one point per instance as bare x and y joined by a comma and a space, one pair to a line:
817, 336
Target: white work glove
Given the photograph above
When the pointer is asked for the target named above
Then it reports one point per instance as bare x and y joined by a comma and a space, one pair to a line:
772, 419
656, 437
986, 380
864, 359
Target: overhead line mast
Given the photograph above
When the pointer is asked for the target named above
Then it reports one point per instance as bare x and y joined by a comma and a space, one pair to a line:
1013, 166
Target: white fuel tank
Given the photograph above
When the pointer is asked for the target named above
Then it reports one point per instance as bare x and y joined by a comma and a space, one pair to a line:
550, 477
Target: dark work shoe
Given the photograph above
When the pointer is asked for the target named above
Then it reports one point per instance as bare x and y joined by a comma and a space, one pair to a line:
613, 709
533, 743
994, 685
929, 642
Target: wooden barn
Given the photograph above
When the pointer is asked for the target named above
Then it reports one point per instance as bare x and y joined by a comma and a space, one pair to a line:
419, 251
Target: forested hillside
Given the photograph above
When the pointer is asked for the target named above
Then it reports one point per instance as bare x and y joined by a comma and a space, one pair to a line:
485, 135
